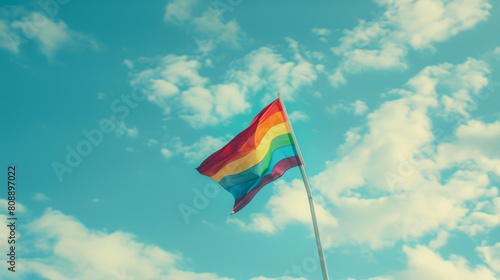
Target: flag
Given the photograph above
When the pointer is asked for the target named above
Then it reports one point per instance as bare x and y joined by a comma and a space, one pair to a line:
257, 156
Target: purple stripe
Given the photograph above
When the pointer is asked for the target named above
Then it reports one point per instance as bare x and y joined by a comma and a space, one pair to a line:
278, 171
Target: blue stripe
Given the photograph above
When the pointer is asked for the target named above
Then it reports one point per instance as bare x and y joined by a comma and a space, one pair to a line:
240, 189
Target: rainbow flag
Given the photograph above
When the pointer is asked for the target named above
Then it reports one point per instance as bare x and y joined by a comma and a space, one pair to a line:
257, 156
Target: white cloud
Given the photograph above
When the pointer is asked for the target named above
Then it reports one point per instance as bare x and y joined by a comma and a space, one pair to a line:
101, 95
265, 69
69, 251
95, 200
297, 116
152, 142
388, 56
440, 240
196, 151
287, 206
8, 39
179, 11
51, 36
203, 108
491, 254
358, 108
164, 89
177, 86
131, 150
425, 22
280, 278
122, 129
383, 43
321, 31
203, 147
166, 153
40, 197
496, 52
423, 263
128, 63
387, 176
209, 25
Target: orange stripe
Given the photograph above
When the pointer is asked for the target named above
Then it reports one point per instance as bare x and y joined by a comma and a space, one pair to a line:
251, 144
240, 139
256, 156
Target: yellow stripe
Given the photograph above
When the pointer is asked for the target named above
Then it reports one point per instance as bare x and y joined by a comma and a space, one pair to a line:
253, 157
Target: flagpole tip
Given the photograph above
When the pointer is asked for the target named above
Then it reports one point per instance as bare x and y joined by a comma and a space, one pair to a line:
278, 94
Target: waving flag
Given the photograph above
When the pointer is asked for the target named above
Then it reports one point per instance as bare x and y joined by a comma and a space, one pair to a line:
257, 156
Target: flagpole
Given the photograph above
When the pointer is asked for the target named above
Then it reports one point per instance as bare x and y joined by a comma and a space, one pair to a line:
309, 195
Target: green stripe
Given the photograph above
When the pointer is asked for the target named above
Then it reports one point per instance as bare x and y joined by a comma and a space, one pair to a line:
258, 169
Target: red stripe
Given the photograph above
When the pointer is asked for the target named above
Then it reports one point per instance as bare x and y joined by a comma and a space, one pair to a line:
279, 169
231, 148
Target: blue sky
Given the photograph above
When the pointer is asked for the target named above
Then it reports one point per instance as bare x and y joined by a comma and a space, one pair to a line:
108, 107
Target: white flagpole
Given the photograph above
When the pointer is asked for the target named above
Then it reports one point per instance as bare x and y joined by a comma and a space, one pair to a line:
309, 195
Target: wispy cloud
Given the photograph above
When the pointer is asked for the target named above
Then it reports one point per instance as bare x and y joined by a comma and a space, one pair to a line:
297, 116
197, 150
51, 35
69, 247
40, 197
383, 43
322, 33
388, 175
358, 108
179, 11
209, 27
179, 87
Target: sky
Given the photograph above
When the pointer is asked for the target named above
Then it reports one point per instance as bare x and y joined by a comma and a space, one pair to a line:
109, 106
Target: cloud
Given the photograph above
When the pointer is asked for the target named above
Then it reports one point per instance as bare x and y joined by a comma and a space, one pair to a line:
286, 207
264, 69
321, 31
400, 175
166, 153
40, 197
423, 263
383, 43
152, 142
210, 26
197, 151
69, 249
280, 278
210, 106
72, 251
491, 254
358, 108
297, 116
128, 63
496, 52
179, 11
177, 86
131, 150
8, 39
423, 23
388, 57
21, 26
122, 129
440, 241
